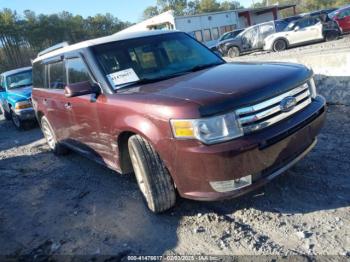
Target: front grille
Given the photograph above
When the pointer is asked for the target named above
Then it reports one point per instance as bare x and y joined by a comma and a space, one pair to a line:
269, 112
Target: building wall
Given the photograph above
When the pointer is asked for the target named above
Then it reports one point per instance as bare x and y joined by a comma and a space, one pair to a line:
257, 19
207, 28
207, 21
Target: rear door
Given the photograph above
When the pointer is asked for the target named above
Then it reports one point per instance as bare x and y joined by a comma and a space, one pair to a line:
250, 39
52, 99
264, 31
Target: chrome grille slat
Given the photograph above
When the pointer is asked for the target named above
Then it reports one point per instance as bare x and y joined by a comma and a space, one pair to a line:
254, 118
272, 101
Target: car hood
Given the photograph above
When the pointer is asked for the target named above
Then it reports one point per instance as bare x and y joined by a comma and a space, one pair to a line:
18, 94
229, 85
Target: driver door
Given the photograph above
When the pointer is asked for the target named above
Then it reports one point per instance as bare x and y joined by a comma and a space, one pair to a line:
250, 39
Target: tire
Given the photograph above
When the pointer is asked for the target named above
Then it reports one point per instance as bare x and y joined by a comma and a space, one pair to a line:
279, 45
17, 122
6, 114
331, 36
56, 147
233, 52
152, 176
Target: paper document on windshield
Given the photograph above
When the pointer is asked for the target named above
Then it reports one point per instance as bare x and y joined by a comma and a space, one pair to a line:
120, 78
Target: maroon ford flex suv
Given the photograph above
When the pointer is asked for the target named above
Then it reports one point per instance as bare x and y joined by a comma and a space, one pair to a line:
165, 107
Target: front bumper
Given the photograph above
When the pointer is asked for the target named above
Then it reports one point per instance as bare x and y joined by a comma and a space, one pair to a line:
264, 155
25, 114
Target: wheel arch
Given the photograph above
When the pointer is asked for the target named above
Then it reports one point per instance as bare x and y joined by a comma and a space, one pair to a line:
143, 127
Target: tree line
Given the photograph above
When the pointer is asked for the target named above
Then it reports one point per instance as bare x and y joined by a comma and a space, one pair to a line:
23, 36
191, 7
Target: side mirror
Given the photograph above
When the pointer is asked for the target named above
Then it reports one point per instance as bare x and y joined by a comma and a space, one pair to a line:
296, 28
80, 89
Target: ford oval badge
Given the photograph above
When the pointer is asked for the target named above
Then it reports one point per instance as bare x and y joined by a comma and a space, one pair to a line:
288, 103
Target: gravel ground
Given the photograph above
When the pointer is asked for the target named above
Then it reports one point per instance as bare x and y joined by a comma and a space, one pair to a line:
70, 205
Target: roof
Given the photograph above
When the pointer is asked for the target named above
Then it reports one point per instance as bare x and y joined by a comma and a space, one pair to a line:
102, 40
15, 71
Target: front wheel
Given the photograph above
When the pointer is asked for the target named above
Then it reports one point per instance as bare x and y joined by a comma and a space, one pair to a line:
152, 176
279, 45
18, 123
331, 36
233, 52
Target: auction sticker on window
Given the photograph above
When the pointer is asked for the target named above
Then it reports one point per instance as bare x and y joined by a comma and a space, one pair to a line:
123, 77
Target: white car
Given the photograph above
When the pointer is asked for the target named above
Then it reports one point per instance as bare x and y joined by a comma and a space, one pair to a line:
298, 32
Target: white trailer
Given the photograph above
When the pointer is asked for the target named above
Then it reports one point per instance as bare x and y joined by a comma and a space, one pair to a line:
206, 28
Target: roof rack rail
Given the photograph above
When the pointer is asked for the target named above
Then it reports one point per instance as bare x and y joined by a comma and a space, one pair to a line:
53, 48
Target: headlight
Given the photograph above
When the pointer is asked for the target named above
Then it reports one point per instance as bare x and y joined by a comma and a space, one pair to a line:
208, 130
313, 88
23, 105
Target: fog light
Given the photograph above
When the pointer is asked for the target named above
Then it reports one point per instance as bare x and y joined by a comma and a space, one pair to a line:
230, 185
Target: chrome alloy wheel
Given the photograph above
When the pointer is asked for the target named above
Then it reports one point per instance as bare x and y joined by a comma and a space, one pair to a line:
138, 174
48, 135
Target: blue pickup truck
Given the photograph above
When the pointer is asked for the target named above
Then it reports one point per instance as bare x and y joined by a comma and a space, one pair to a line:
15, 96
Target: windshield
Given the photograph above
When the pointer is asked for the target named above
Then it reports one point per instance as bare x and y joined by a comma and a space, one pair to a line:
18, 80
152, 58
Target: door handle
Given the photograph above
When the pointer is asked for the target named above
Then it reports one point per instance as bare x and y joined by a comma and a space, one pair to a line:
45, 102
68, 105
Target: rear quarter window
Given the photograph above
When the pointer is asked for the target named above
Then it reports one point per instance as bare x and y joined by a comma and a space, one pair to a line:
57, 75
38, 75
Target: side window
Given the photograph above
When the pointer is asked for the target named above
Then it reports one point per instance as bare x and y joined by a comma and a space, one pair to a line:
38, 75
57, 75
77, 71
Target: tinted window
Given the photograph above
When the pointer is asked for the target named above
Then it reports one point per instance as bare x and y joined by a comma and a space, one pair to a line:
280, 25
38, 75
77, 71
207, 35
307, 22
57, 78
154, 57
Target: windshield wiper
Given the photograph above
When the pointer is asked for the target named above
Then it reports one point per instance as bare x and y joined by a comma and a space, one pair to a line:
19, 86
204, 66
149, 80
